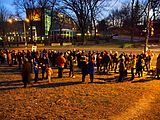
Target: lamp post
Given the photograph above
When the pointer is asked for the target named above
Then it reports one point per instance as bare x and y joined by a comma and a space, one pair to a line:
61, 20
11, 21
24, 28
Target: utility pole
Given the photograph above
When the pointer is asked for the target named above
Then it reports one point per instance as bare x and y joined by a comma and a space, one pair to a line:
148, 27
24, 27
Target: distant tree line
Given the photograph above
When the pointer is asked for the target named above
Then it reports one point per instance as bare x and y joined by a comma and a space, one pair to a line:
129, 16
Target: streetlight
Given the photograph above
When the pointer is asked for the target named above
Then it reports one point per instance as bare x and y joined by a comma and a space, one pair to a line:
11, 21
24, 27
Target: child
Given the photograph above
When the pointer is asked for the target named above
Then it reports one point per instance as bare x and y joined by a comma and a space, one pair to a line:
49, 73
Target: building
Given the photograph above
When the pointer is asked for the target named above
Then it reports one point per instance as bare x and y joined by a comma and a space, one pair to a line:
12, 31
41, 26
47, 21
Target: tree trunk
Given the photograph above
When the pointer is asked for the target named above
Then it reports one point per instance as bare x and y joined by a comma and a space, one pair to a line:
148, 28
83, 37
132, 21
95, 31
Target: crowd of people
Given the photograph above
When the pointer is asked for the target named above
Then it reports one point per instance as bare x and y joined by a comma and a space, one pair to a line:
104, 61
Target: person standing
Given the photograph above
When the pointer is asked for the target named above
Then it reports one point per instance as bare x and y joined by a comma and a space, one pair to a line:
133, 66
60, 62
71, 66
26, 73
84, 68
121, 70
139, 66
19, 57
158, 66
79, 55
36, 71
9, 57
91, 69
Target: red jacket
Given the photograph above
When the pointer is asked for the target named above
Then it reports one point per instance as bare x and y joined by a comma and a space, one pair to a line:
61, 61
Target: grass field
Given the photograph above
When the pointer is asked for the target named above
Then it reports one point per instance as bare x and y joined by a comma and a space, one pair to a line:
69, 99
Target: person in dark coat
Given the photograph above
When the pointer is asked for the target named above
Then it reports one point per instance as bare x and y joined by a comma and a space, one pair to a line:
26, 73
158, 66
91, 69
79, 55
36, 71
121, 70
71, 66
84, 68
106, 60
19, 57
139, 66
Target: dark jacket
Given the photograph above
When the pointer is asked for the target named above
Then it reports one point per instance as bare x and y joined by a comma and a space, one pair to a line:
84, 67
26, 72
91, 67
121, 66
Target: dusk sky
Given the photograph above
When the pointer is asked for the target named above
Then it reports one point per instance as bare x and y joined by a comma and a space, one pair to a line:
8, 4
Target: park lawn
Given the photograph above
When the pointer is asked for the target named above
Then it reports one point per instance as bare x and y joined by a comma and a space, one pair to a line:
68, 98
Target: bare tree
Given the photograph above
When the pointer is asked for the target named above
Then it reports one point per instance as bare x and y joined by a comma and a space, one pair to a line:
27, 6
128, 18
80, 10
155, 4
112, 18
132, 19
125, 15
96, 7
4, 15
53, 5
84, 13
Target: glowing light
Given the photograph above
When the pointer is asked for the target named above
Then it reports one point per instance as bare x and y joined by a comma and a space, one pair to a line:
10, 21
27, 20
